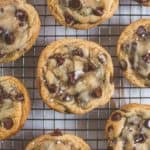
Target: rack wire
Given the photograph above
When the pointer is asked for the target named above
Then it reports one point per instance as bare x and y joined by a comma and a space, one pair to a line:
90, 126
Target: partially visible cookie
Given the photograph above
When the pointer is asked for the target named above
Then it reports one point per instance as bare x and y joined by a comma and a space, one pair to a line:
82, 14
75, 76
19, 29
14, 106
129, 128
57, 141
144, 2
133, 51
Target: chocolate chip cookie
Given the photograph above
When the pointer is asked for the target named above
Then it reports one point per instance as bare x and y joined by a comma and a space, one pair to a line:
14, 106
144, 2
134, 52
129, 128
82, 14
57, 141
19, 28
75, 76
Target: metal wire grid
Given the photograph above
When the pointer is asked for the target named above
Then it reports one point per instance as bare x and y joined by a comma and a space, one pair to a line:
90, 126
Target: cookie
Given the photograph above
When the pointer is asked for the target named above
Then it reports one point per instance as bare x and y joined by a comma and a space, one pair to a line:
75, 76
133, 51
129, 128
144, 2
14, 106
57, 141
82, 14
19, 29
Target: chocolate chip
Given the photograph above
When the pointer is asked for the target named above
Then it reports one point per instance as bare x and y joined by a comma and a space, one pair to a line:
21, 15
56, 132
71, 78
89, 67
99, 11
1, 31
7, 123
141, 31
9, 37
123, 64
52, 88
77, 52
116, 116
97, 92
139, 138
60, 59
146, 57
147, 123
110, 128
1, 10
102, 58
19, 97
75, 4
69, 18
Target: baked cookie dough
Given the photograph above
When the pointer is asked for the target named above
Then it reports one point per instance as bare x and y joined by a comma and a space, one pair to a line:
19, 28
14, 106
129, 128
134, 52
75, 76
82, 14
57, 141
144, 2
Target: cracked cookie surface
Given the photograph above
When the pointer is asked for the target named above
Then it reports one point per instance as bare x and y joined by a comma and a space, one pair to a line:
57, 141
134, 52
129, 128
14, 106
19, 28
82, 14
75, 76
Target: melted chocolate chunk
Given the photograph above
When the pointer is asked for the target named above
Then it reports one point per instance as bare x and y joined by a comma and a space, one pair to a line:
69, 18
7, 123
9, 37
116, 116
60, 59
146, 57
56, 132
71, 78
139, 138
89, 67
110, 128
123, 65
99, 11
75, 4
97, 92
78, 52
147, 123
141, 31
21, 15
52, 88
19, 97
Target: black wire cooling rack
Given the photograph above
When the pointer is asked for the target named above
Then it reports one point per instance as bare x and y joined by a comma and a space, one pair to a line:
90, 126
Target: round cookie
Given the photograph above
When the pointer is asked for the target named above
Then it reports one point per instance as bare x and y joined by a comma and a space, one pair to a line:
144, 2
82, 14
14, 106
129, 128
19, 29
75, 76
57, 141
133, 51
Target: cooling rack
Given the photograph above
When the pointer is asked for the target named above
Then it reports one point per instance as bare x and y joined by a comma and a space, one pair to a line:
90, 126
